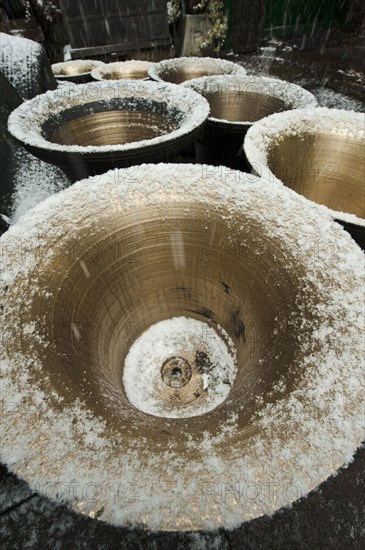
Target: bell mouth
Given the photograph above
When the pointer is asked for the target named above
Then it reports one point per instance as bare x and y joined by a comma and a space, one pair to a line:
114, 127
99, 265
318, 153
130, 70
238, 101
181, 69
91, 128
75, 68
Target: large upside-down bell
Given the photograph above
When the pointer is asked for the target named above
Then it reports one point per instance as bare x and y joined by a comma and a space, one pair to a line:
182, 347
77, 71
236, 102
319, 153
185, 68
133, 69
88, 129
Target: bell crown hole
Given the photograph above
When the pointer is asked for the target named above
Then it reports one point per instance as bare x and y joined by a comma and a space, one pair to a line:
180, 367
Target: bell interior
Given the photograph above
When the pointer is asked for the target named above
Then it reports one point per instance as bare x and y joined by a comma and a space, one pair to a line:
75, 69
177, 76
133, 74
242, 106
326, 169
120, 278
113, 124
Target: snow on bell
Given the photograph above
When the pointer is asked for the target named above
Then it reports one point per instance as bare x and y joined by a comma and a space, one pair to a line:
26, 65
133, 69
77, 71
185, 68
190, 349
88, 129
319, 153
235, 103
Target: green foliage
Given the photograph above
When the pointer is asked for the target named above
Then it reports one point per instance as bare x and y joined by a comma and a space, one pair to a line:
46, 9
219, 23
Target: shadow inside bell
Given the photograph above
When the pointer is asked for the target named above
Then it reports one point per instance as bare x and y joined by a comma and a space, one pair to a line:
219, 152
356, 231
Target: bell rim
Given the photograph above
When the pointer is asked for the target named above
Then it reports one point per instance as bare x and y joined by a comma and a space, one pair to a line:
351, 256
307, 100
26, 127
62, 64
97, 73
284, 123
209, 62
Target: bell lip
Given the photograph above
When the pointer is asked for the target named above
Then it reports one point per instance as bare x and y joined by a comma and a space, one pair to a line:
229, 67
319, 118
81, 62
67, 205
295, 96
306, 215
25, 122
97, 73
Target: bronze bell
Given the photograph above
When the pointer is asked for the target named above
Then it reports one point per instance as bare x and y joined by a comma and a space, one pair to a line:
89, 129
133, 69
236, 102
77, 71
318, 153
263, 288
180, 69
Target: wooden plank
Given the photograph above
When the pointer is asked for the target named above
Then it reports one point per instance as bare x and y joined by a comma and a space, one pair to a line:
124, 47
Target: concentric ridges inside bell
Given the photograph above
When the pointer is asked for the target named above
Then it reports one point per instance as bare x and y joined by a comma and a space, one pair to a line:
121, 279
182, 69
244, 99
326, 168
112, 123
243, 106
70, 68
181, 74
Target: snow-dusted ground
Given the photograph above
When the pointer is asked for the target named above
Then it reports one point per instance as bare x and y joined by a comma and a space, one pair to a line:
329, 98
272, 60
34, 181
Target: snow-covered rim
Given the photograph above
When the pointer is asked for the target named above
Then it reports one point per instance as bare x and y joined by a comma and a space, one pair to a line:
26, 122
322, 120
220, 65
300, 439
87, 65
135, 64
294, 96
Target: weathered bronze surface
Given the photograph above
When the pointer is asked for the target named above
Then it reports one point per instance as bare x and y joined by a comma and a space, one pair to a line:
328, 169
133, 70
103, 269
89, 129
113, 128
320, 154
181, 69
235, 103
77, 71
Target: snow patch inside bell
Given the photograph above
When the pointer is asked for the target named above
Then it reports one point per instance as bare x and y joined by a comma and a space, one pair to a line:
179, 368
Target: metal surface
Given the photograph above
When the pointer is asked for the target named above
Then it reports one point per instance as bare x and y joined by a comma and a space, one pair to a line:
77, 71
101, 282
235, 103
320, 154
90, 129
112, 128
181, 69
133, 70
340, 185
